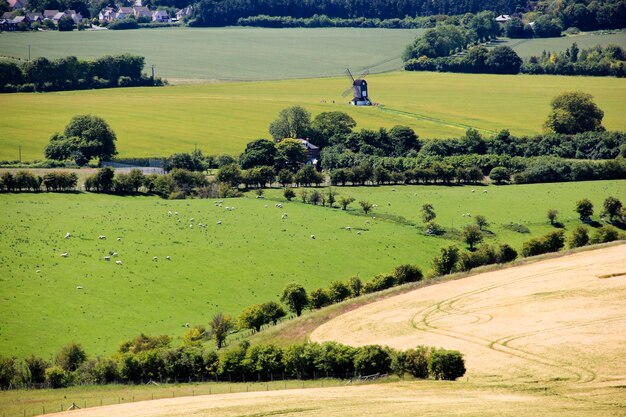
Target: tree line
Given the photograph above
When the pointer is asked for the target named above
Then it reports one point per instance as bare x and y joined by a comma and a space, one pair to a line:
147, 358
595, 61
70, 73
227, 12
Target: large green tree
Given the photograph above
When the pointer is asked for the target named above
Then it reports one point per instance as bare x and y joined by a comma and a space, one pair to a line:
292, 122
258, 152
220, 325
85, 137
574, 112
330, 128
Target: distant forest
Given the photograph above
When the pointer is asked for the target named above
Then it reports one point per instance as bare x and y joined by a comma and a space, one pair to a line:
227, 12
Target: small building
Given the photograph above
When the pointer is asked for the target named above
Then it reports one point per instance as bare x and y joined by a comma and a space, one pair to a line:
160, 16
124, 12
4, 25
312, 151
17, 4
142, 11
35, 17
21, 19
182, 13
503, 18
107, 14
49, 14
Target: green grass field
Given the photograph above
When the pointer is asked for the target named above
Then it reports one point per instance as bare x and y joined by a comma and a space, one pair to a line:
185, 54
247, 259
529, 47
222, 118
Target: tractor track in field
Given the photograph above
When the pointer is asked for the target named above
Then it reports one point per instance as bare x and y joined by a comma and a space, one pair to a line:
425, 319
434, 120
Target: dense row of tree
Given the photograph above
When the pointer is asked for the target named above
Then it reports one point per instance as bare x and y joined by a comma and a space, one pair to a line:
70, 73
316, 21
27, 181
227, 12
148, 358
478, 59
596, 61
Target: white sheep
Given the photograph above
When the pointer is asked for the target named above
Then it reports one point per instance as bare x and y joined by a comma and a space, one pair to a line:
168, 258
107, 258
348, 228
155, 258
484, 191
102, 237
67, 235
79, 287
279, 205
191, 220
312, 236
38, 271
114, 254
169, 212
358, 233
119, 239
65, 255
219, 222
473, 190
284, 216
191, 226
367, 222
118, 262
175, 213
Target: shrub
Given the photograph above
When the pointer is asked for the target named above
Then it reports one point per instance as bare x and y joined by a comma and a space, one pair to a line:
579, 237
552, 242
372, 359
57, 377
446, 262
605, 234
379, 283
407, 273
338, 291
446, 364
485, 255
356, 285
289, 194
318, 298
416, 362
70, 357
506, 254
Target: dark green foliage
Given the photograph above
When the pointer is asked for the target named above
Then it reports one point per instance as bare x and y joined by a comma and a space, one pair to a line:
612, 207
446, 364
372, 359
605, 234
253, 317
428, 213
230, 174
338, 291
416, 361
307, 176
220, 325
356, 285
330, 128
295, 297
407, 273
143, 343
70, 357
319, 298
57, 377
379, 283
552, 242
123, 24
85, 137
366, 206
579, 237
273, 311
446, 262
547, 27
584, 208
574, 112
293, 122
506, 254
36, 369
101, 182
258, 152
485, 255
596, 61
193, 161
472, 235
66, 24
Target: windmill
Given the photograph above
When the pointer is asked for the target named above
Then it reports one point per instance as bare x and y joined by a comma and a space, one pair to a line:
359, 89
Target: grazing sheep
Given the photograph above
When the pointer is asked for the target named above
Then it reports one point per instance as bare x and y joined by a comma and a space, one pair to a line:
484, 191
65, 255
265, 206
119, 239
348, 228
284, 216
169, 212
114, 254
388, 203
67, 235
118, 262
219, 222
473, 190
168, 258
279, 205
191, 226
107, 258
367, 222
155, 258
175, 213
80, 287
191, 220
312, 236
393, 189
102, 237
468, 214
38, 271
358, 233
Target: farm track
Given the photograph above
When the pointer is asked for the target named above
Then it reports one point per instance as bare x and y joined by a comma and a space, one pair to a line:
428, 316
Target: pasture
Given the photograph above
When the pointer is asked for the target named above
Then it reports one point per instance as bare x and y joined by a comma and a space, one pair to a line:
222, 118
227, 54
222, 267
555, 325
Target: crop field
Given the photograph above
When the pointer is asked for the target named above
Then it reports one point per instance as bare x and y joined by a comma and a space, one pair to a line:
222, 267
222, 118
226, 54
252, 54
556, 324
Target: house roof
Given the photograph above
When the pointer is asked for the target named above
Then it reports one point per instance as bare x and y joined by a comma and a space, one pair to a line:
16, 4
126, 10
49, 14
160, 13
307, 144
33, 16
503, 18
7, 15
19, 19
58, 16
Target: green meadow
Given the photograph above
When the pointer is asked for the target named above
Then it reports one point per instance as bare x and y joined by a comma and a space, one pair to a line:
246, 259
223, 117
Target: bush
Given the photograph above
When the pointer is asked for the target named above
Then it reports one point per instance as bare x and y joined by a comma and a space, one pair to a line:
605, 234
356, 285
446, 262
579, 237
552, 242
319, 298
57, 377
379, 283
446, 364
70, 357
338, 291
372, 359
506, 254
416, 361
407, 273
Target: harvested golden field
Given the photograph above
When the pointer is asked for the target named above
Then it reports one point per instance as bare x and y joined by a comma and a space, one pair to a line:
541, 339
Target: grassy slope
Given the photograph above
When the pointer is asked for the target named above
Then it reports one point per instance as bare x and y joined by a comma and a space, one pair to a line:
228, 53
248, 259
160, 121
